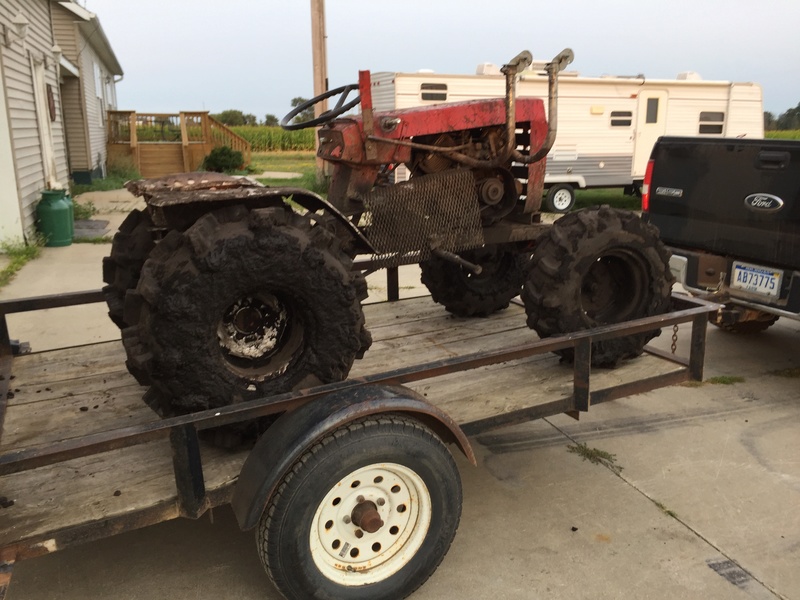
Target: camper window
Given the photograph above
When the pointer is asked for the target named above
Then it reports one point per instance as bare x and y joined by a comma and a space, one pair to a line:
652, 110
434, 91
621, 118
711, 122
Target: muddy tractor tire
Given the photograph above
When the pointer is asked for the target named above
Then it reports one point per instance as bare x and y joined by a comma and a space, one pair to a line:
465, 294
597, 267
368, 513
244, 304
130, 247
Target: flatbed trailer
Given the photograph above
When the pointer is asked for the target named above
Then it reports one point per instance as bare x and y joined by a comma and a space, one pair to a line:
83, 458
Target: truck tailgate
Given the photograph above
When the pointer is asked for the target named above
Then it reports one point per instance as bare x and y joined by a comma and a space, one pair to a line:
737, 199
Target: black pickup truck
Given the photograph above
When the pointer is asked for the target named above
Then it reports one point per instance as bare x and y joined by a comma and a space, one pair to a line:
729, 210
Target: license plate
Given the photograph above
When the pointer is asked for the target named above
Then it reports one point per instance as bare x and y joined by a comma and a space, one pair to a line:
759, 280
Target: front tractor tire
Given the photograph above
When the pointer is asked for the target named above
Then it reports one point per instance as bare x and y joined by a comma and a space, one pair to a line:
368, 513
244, 304
597, 267
130, 247
466, 294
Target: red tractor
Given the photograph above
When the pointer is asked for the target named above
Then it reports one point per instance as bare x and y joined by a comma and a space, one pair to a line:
227, 290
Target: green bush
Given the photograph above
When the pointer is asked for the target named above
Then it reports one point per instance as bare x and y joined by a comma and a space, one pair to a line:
223, 159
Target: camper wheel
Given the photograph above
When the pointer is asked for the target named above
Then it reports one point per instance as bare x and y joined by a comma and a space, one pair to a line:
560, 198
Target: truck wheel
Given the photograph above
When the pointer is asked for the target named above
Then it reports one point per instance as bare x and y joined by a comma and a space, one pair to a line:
466, 294
243, 304
560, 198
129, 249
597, 267
369, 512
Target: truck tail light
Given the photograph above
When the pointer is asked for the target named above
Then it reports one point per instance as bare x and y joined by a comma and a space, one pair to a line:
648, 177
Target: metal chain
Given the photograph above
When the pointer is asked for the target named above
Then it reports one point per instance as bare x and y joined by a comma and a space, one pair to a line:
674, 338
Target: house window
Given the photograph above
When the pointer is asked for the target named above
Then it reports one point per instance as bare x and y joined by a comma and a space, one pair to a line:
652, 111
711, 122
434, 91
621, 118
98, 81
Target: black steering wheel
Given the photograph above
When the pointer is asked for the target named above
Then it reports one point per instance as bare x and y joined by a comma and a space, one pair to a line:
328, 115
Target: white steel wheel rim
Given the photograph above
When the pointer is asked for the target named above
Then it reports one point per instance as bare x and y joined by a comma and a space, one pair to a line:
350, 556
562, 199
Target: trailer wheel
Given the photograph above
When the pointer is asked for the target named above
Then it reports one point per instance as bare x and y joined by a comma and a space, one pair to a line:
129, 249
596, 267
243, 304
465, 294
560, 198
367, 513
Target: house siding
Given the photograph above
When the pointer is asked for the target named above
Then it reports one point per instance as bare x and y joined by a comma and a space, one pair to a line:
18, 77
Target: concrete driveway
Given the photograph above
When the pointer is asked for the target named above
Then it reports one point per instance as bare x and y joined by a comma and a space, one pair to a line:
701, 499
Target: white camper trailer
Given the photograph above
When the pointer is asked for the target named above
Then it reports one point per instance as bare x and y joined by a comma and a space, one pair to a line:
606, 125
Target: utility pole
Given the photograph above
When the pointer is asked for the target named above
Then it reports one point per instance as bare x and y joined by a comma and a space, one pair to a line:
320, 63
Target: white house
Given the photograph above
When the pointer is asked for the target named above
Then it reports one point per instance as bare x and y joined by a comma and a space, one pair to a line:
57, 79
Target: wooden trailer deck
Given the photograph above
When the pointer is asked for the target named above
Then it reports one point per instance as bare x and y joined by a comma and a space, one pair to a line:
65, 394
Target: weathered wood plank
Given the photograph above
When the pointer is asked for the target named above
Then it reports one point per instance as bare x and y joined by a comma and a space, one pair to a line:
73, 392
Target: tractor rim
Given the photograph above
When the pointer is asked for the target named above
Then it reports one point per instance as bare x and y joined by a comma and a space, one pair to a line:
370, 524
258, 335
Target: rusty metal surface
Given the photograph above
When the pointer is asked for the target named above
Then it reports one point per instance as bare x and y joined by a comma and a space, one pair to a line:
186, 182
439, 210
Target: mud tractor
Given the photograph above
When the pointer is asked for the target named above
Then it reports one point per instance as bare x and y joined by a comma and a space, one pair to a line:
227, 290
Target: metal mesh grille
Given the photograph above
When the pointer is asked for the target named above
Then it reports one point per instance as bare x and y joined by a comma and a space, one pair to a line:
439, 210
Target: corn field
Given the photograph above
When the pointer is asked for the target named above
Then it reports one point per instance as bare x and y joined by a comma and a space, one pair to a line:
270, 139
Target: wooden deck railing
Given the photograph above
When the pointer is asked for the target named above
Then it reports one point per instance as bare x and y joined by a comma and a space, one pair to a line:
163, 143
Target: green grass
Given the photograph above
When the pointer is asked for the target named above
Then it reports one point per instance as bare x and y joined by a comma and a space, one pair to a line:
789, 134
719, 380
792, 373
92, 240
18, 254
117, 175
595, 456
611, 196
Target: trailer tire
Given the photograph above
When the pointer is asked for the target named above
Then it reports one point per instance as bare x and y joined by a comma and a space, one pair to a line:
596, 267
405, 483
244, 304
560, 198
130, 247
466, 294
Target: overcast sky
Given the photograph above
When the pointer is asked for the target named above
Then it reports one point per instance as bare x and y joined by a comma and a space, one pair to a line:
255, 55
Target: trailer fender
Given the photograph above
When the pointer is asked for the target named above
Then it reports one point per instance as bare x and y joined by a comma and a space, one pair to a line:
296, 431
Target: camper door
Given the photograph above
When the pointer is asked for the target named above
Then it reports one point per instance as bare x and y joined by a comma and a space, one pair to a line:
651, 123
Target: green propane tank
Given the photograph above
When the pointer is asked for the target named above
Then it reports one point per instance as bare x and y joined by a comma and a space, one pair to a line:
55, 220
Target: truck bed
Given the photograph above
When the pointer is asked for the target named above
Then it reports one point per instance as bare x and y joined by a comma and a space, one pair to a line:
65, 394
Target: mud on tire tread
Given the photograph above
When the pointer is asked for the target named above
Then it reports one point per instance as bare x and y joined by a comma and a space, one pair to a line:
467, 295
633, 273
130, 247
191, 278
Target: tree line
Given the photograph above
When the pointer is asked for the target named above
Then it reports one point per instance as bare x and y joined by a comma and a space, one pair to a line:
236, 118
785, 121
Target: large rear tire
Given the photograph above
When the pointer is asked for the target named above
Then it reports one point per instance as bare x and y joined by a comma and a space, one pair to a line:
243, 304
465, 294
368, 513
130, 247
597, 267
